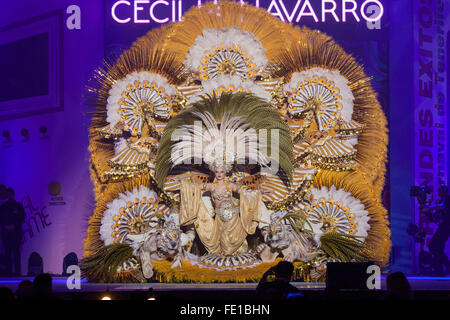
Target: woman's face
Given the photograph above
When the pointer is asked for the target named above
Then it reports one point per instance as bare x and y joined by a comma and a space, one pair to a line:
220, 173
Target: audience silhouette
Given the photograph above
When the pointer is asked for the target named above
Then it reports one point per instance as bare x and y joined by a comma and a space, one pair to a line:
12, 217
279, 287
398, 287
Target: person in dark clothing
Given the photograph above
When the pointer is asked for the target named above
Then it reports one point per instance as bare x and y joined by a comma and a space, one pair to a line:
43, 286
25, 290
279, 288
3, 197
12, 217
437, 243
6, 294
397, 287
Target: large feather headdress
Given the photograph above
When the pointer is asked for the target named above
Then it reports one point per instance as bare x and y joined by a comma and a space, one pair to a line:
218, 144
223, 131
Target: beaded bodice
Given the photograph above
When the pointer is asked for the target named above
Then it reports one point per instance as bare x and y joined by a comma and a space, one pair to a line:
219, 196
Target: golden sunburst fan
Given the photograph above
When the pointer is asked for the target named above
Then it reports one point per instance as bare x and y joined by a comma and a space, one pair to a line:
269, 31
378, 238
313, 49
93, 241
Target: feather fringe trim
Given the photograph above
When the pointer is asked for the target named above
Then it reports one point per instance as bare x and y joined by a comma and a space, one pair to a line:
194, 274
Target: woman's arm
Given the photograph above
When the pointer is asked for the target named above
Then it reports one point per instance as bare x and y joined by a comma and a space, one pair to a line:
179, 179
235, 187
203, 186
207, 186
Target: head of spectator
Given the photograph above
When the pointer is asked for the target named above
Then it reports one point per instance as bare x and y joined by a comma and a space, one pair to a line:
284, 270
25, 290
397, 286
42, 285
10, 194
6, 294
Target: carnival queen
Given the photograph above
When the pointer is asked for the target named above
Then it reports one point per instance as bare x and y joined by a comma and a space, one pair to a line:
222, 212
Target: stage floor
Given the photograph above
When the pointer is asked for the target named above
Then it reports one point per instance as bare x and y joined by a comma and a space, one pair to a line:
60, 285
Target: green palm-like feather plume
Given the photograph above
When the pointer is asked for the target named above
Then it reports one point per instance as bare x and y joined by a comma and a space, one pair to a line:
344, 247
259, 114
102, 266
